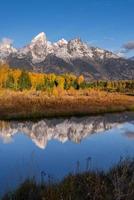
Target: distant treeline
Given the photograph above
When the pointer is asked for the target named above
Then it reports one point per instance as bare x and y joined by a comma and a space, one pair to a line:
17, 79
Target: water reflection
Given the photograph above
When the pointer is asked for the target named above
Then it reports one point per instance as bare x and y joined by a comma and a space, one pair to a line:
72, 129
130, 135
56, 146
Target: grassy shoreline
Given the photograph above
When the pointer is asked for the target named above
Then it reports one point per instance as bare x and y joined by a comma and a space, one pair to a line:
117, 183
32, 104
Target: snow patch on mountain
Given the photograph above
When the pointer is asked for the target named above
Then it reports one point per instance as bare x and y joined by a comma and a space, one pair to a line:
41, 37
40, 47
61, 43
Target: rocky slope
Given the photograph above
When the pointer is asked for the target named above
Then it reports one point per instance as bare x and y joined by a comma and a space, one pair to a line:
64, 56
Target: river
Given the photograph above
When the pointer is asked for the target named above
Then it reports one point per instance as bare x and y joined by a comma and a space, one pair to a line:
59, 146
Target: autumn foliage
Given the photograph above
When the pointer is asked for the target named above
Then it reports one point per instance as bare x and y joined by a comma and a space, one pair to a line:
30, 95
16, 79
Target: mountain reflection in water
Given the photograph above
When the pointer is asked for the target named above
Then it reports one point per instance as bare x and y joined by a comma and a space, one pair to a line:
72, 129
55, 146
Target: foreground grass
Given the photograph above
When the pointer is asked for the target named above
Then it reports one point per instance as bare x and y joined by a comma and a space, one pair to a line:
32, 104
118, 184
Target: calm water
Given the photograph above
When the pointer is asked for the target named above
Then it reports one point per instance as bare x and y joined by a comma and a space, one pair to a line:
60, 146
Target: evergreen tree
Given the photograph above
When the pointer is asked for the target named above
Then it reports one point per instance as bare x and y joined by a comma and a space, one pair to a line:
10, 81
24, 81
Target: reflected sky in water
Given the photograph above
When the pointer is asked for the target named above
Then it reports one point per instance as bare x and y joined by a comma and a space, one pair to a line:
55, 145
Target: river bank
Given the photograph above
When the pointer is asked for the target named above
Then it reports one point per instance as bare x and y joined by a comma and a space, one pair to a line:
32, 104
117, 183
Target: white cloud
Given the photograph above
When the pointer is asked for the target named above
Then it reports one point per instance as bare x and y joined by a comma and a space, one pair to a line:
6, 42
129, 46
109, 38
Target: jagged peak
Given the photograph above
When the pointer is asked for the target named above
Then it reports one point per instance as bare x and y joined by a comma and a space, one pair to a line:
76, 40
40, 37
62, 42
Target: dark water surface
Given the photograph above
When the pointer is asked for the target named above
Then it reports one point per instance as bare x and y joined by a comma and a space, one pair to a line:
60, 146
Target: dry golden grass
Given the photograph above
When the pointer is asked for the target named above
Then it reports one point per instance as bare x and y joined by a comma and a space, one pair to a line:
32, 104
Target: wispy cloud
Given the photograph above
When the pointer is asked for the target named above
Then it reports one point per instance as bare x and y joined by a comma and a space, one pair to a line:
92, 42
104, 39
128, 46
6, 41
109, 38
105, 3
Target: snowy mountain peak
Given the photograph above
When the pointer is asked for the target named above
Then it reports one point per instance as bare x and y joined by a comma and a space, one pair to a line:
41, 37
62, 42
73, 56
76, 41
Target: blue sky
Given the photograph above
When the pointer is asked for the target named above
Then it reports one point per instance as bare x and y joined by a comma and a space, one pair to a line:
105, 23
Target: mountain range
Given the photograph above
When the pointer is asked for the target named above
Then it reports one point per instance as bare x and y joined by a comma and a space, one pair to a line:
73, 56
